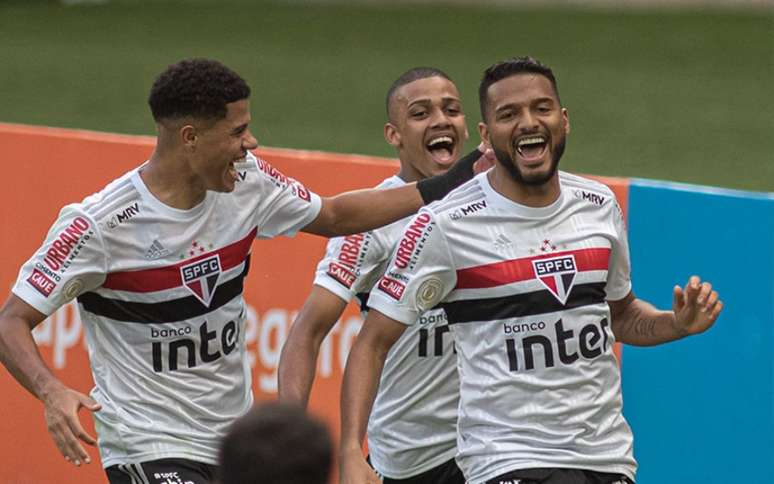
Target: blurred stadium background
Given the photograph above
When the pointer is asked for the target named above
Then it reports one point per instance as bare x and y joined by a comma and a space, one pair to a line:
666, 89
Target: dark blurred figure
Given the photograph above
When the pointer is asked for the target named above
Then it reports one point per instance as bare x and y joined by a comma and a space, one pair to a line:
276, 444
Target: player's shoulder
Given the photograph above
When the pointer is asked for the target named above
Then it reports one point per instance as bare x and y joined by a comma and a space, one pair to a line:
256, 171
119, 197
469, 194
393, 181
584, 188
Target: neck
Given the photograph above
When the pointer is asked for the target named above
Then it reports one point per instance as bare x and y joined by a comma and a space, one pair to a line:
169, 179
535, 196
408, 173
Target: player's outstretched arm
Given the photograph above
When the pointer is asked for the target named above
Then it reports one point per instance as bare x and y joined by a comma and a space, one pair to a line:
364, 210
19, 354
298, 361
695, 309
361, 382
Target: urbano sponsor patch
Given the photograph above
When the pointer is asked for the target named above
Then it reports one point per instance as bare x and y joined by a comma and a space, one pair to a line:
68, 244
413, 241
281, 180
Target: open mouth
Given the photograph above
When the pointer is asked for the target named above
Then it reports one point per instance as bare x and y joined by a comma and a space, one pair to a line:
441, 149
531, 148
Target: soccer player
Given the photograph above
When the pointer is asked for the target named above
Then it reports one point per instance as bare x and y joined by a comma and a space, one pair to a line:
412, 429
277, 444
157, 261
531, 266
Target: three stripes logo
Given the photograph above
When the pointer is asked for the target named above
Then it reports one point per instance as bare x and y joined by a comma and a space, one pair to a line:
201, 277
557, 274
156, 251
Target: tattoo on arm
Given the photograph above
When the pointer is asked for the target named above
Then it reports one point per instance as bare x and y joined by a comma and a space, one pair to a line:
644, 328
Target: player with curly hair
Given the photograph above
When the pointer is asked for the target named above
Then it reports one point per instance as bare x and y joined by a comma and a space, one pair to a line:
157, 261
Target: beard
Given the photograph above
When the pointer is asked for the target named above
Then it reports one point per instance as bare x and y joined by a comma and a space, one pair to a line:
537, 179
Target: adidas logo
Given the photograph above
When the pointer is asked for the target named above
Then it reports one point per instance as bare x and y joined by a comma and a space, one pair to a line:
156, 251
502, 242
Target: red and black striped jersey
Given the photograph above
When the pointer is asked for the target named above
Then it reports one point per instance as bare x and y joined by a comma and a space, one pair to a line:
159, 292
525, 291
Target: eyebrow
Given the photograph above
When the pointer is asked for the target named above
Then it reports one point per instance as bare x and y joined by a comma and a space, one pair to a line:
239, 128
533, 101
425, 100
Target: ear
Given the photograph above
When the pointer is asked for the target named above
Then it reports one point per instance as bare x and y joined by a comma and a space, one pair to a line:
483, 132
188, 136
392, 135
566, 121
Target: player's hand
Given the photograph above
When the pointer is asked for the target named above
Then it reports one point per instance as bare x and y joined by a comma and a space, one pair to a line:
696, 307
486, 161
355, 470
61, 413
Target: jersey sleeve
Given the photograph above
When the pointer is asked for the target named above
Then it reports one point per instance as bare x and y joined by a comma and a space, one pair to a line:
619, 282
420, 273
71, 261
351, 264
285, 205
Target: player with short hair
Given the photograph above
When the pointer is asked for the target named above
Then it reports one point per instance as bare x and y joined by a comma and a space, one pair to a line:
412, 430
532, 268
157, 261
277, 444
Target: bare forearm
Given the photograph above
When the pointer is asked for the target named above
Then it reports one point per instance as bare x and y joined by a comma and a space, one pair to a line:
20, 355
297, 367
361, 382
641, 324
364, 210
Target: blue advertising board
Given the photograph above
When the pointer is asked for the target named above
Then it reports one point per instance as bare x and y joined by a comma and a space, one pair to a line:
702, 408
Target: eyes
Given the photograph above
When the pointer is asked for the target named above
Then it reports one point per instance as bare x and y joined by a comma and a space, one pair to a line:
420, 113
510, 113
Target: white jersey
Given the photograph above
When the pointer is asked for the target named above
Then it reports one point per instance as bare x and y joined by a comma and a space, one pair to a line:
413, 425
160, 295
525, 293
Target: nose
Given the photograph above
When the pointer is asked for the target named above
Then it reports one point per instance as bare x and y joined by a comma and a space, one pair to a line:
439, 119
249, 142
528, 122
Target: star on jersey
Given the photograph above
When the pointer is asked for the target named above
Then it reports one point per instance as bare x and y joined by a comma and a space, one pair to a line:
197, 247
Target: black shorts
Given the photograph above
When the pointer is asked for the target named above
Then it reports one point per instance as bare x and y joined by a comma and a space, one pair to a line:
162, 471
559, 476
446, 473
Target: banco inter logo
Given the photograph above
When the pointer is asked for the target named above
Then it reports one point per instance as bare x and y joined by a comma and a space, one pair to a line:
557, 274
201, 277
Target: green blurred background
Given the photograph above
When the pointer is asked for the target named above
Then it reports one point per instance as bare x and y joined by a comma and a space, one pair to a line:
676, 94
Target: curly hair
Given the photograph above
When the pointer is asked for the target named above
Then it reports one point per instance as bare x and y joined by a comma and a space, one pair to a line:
200, 88
511, 67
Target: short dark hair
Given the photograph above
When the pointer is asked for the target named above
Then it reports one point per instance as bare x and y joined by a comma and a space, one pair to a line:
278, 444
511, 67
411, 75
199, 88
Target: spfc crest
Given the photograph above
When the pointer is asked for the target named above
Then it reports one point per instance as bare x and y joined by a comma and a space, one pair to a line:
201, 277
557, 274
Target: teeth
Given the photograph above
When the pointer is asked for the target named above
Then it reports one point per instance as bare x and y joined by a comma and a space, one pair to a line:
442, 139
531, 141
